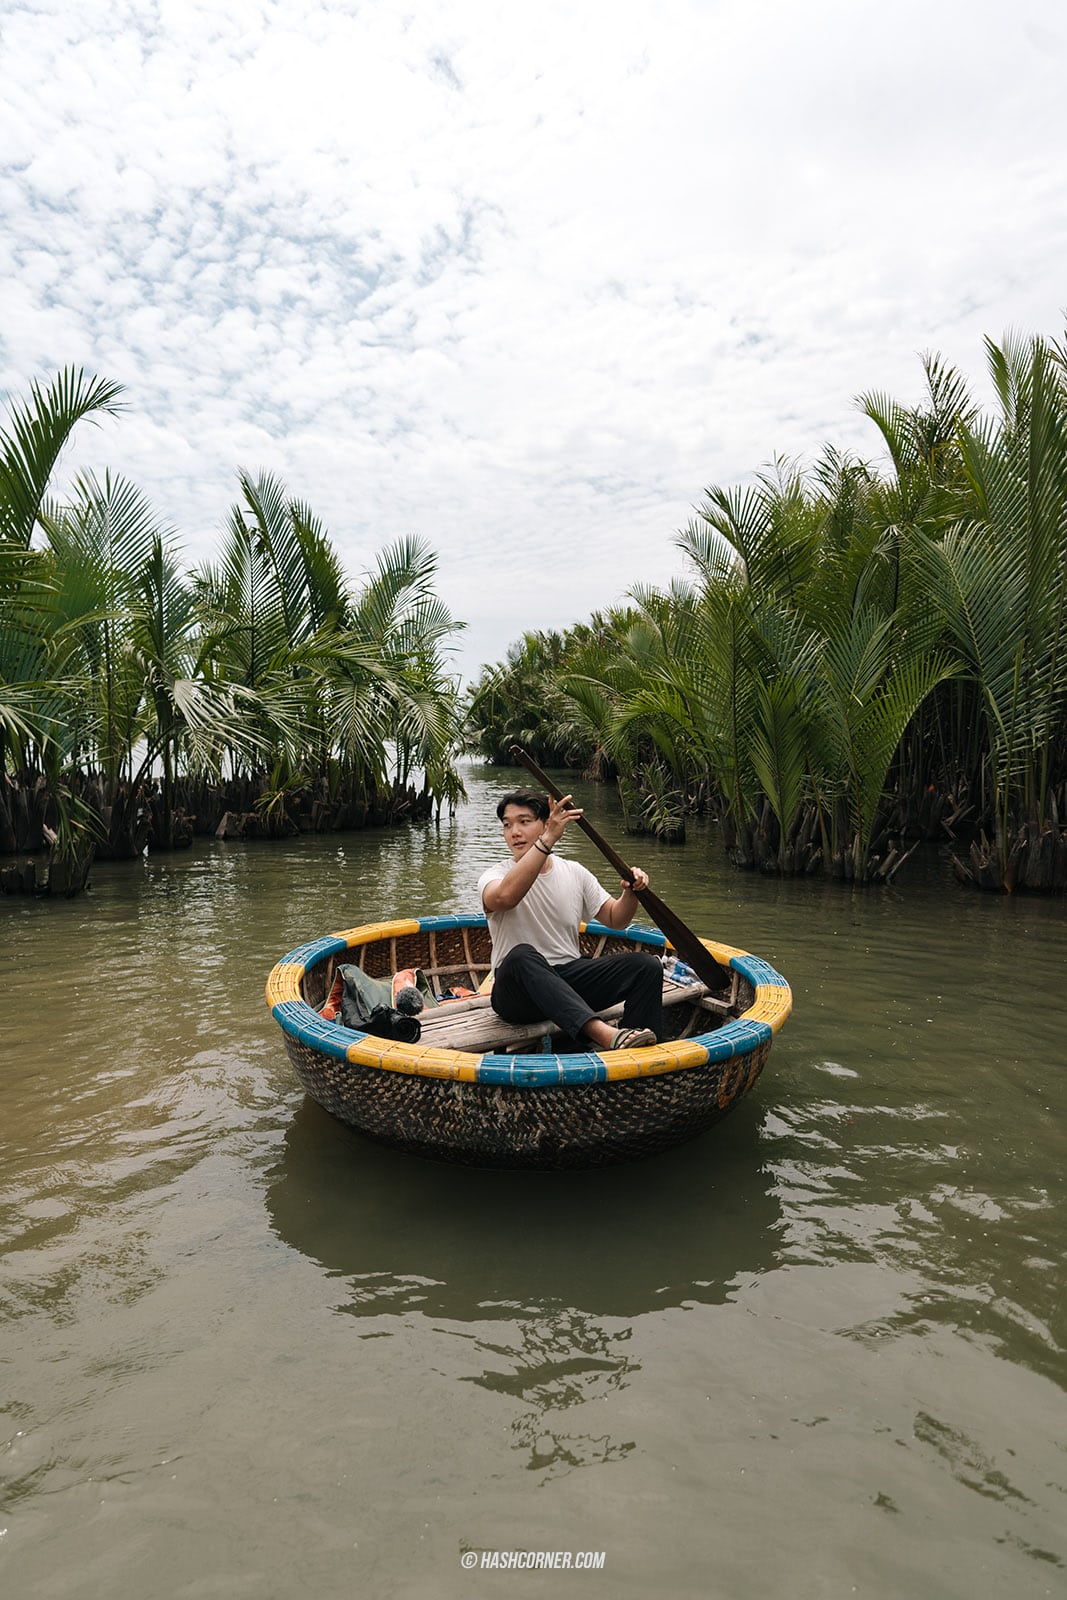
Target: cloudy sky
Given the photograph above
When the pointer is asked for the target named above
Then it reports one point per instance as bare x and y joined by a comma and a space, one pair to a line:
520, 279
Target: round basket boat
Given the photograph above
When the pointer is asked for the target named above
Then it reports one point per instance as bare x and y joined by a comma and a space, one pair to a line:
476, 1090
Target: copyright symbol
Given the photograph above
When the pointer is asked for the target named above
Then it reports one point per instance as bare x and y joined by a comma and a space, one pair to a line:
469, 1559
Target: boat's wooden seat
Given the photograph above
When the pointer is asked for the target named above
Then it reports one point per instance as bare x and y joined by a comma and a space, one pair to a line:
474, 1026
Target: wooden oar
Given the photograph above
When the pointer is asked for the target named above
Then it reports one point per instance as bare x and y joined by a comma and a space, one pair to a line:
689, 947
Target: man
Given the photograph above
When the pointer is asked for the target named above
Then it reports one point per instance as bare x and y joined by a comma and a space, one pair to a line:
534, 907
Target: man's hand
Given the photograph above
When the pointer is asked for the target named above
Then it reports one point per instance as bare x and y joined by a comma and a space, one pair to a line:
619, 913
560, 812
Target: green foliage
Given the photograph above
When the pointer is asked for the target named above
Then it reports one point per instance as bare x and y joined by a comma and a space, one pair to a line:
115, 659
520, 701
849, 639
31, 444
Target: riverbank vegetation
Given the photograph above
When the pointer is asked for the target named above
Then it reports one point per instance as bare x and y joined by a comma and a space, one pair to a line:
858, 659
257, 694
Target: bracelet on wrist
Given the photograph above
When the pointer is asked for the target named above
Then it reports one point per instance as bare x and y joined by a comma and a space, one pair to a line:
545, 849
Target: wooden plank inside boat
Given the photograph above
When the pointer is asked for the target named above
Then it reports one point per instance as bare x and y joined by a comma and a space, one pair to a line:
473, 1025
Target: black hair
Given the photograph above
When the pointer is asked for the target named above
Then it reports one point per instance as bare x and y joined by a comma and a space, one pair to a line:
532, 799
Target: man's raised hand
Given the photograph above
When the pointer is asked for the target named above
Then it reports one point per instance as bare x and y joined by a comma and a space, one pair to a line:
560, 812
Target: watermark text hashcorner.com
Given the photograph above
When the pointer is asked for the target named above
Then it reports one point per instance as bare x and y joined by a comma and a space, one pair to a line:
533, 1560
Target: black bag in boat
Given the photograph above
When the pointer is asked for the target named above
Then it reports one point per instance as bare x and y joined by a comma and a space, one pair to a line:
367, 1006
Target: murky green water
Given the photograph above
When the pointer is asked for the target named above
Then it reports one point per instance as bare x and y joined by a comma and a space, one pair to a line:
816, 1353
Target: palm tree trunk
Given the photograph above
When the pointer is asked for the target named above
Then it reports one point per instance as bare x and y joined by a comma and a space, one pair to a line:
167, 799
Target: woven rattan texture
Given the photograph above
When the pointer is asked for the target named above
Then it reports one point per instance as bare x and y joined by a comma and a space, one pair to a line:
495, 1126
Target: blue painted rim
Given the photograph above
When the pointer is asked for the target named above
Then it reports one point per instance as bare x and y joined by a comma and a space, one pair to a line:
301, 1022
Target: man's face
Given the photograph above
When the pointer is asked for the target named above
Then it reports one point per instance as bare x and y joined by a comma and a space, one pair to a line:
521, 828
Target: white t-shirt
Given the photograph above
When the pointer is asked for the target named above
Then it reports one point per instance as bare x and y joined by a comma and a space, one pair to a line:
548, 914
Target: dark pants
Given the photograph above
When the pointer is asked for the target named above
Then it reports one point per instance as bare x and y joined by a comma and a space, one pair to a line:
527, 989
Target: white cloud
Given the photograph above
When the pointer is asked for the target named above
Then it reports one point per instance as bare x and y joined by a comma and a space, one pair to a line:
523, 282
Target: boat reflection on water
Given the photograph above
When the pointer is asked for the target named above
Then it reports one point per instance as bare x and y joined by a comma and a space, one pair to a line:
534, 1278
469, 1243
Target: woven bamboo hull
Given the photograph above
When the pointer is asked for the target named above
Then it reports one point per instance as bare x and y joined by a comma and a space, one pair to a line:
521, 1110
492, 1125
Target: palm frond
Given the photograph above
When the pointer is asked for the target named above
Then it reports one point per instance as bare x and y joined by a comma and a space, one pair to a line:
33, 440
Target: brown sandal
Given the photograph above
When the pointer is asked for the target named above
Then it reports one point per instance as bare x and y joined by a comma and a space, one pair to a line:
632, 1039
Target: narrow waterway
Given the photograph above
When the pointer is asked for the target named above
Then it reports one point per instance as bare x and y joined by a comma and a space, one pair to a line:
817, 1352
